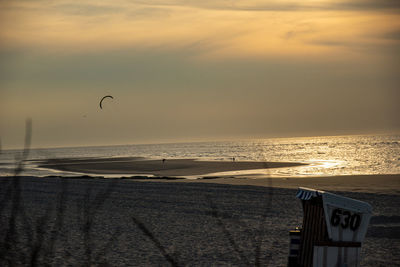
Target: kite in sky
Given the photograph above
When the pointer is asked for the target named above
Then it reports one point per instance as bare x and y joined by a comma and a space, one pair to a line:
104, 97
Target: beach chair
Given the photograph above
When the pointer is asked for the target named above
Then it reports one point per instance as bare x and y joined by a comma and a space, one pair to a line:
332, 233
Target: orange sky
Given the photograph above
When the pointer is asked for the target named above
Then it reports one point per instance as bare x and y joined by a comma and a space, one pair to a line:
183, 70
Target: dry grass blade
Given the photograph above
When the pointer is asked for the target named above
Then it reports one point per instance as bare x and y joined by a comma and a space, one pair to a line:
155, 241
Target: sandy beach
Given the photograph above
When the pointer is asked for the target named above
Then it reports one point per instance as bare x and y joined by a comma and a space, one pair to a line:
120, 222
133, 220
381, 184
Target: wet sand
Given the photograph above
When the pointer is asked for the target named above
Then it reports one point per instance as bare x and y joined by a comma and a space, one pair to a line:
169, 167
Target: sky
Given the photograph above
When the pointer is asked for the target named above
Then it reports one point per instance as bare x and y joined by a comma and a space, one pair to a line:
185, 70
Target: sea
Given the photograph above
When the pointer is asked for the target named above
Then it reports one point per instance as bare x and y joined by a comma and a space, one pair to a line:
323, 155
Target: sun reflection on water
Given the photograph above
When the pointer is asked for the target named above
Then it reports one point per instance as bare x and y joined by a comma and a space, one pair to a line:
324, 156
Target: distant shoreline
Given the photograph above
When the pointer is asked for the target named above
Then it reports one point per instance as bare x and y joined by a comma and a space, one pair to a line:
218, 172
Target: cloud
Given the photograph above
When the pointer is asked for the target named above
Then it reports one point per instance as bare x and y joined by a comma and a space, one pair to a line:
124, 9
86, 9
148, 12
391, 5
248, 5
208, 29
391, 35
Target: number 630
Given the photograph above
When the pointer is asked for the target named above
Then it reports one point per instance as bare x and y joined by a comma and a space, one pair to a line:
346, 219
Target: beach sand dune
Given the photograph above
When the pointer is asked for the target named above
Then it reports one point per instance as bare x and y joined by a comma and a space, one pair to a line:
122, 222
